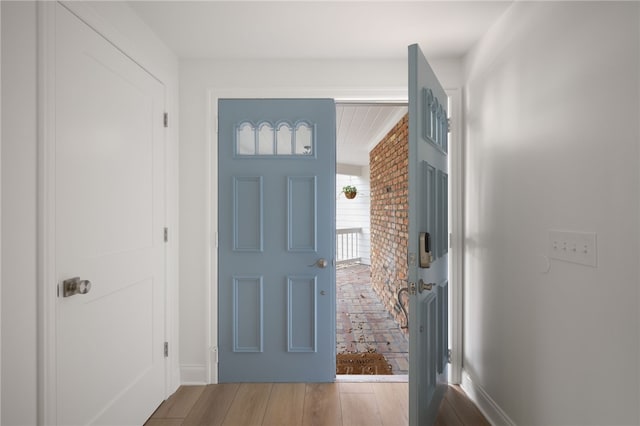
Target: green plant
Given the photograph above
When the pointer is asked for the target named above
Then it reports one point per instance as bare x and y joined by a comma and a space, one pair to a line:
350, 191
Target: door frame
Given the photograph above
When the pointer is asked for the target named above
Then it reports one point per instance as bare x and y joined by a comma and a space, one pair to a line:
0, 211
370, 95
46, 277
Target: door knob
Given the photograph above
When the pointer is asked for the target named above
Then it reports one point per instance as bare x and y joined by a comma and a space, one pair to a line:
74, 286
422, 286
320, 263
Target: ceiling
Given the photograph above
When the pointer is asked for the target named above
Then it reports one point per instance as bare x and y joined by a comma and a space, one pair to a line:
318, 29
360, 127
303, 29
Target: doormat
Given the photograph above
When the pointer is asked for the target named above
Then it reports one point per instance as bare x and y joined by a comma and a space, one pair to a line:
362, 363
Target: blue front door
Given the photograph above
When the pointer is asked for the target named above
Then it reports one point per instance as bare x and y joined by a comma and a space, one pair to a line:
428, 240
276, 279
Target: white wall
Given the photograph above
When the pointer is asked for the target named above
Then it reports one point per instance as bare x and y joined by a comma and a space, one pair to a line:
197, 77
552, 137
355, 213
19, 180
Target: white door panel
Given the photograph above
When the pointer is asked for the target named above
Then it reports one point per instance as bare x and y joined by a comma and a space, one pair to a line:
109, 223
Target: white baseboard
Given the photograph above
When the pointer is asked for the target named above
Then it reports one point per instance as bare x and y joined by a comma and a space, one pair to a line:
193, 374
173, 384
489, 408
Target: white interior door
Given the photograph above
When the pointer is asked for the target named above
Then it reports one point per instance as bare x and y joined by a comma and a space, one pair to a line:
109, 206
428, 240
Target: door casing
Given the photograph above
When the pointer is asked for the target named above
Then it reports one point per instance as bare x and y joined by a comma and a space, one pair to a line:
365, 95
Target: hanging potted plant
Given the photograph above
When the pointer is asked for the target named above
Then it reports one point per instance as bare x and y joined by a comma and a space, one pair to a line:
350, 191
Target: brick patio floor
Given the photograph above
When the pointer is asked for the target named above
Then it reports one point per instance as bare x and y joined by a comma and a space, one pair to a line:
363, 324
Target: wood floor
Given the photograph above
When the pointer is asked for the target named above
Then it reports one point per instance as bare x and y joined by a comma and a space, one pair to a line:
299, 404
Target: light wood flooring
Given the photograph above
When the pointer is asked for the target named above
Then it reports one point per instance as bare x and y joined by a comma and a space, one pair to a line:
299, 404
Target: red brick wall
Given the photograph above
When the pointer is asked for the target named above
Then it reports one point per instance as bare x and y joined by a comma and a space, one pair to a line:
388, 162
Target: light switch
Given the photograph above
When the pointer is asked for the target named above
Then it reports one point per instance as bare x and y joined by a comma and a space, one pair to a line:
576, 247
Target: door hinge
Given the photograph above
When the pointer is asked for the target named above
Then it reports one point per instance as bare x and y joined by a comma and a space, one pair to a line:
448, 356
166, 349
166, 119
448, 125
166, 235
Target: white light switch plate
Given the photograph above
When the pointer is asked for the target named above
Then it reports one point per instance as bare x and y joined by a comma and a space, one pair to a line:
576, 247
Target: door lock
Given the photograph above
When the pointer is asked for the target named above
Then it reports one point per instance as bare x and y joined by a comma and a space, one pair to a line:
425, 250
74, 286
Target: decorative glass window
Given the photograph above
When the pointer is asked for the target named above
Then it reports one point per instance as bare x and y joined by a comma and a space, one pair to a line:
434, 120
435, 126
284, 137
245, 140
304, 139
280, 140
266, 138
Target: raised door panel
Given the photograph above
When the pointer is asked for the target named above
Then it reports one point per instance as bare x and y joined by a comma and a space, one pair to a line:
248, 213
248, 308
302, 319
302, 217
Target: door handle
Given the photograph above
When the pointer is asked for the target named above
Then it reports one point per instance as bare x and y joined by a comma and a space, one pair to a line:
320, 263
422, 286
74, 286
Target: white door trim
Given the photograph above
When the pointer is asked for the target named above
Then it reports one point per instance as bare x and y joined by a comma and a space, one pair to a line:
456, 241
369, 95
46, 277
0, 213
46, 243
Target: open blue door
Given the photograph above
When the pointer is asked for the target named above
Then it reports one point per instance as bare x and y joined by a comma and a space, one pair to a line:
276, 280
428, 241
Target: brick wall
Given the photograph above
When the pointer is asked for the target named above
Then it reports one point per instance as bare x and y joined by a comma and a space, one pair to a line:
389, 216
